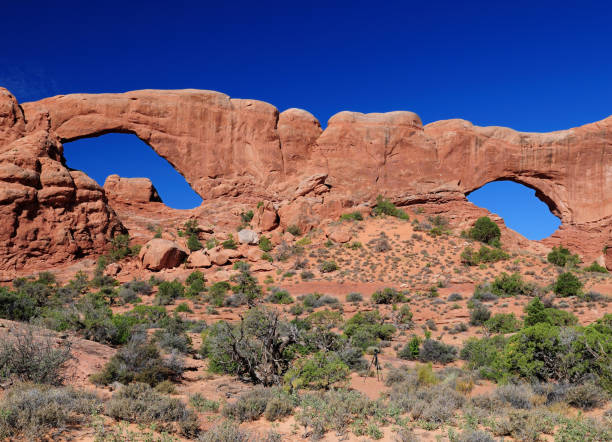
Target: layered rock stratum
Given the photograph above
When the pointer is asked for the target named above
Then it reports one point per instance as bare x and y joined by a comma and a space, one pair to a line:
237, 151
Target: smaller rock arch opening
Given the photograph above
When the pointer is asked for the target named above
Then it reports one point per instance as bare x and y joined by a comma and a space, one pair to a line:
523, 208
128, 156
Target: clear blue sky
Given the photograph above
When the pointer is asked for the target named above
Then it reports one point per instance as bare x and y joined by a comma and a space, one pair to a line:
533, 66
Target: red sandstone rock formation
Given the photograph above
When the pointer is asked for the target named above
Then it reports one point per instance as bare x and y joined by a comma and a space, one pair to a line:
140, 190
246, 151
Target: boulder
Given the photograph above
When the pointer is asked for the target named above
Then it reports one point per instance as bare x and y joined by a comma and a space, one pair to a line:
160, 254
218, 256
339, 234
246, 236
199, 259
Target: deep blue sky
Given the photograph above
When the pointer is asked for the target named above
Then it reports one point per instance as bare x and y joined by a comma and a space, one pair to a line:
533, 66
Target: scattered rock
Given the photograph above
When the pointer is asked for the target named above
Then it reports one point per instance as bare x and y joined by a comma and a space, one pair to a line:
199, 259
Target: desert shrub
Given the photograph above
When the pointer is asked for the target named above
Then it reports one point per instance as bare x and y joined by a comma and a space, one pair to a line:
561, 257
328, 267
567, 284
332, 410
127, 295
385, 207
226, 431
149, 315
435, 404
352, 357
485, 230
183, 307
582, 429
278, 296
253, 404
173, 336
479, 314
30, 358
586, 396
315, 300
31, 411
265, 244
402, 318
458, 328
473, 436
139, 403
167, 292
139, 361
200, 403
387, 296
411, 350
502, 323
17, 306
596, 268
352, 216
380, 244
436, 351
517, 395
354, 297
320, 371
454, 297
256, 349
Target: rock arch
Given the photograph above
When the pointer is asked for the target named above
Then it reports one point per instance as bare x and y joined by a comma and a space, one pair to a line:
246, 149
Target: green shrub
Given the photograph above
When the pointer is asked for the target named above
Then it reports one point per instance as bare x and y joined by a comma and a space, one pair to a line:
366, 329
31, 411
246, 285
538, 313
265, 244
120, 248
328, 267
217, 293
193, 243
481, 354
229, 243
510, 285
385, 207
320, 371
278, 296
141, 404
561, 257
252, 405
485, 230
294, 230
167, 292
411, 350
246, 217
502, 323
472, 258
352, 216
567, 284
387, 296
595, 268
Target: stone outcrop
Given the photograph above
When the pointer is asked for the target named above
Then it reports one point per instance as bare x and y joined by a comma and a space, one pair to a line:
140, 190
247, 151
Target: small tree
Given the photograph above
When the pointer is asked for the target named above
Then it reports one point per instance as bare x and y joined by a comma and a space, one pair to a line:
321, 371
567, 284
561, 257
256, 349
246, 284
485, 230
